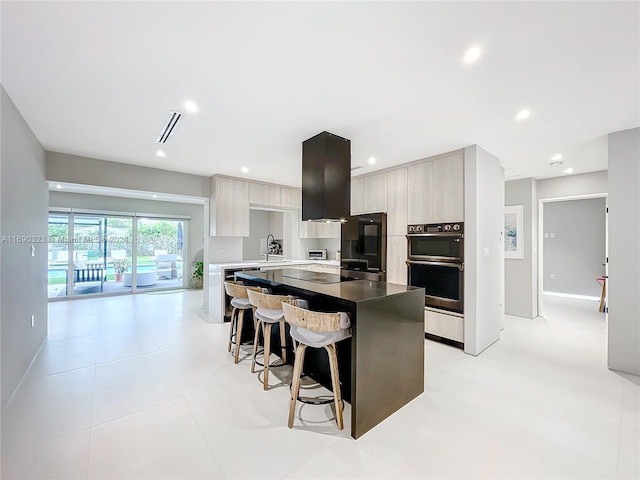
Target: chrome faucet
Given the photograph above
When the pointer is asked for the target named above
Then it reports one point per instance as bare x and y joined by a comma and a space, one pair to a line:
268, 244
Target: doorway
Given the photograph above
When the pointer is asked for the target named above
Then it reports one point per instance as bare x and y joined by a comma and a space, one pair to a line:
573, 249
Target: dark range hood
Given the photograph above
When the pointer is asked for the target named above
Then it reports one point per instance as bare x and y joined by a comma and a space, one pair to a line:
326, 178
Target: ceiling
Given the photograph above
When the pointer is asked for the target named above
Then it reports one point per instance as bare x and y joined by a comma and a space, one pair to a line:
99, 79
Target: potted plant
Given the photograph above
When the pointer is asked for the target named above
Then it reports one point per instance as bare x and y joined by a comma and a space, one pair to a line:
120, 266
196, 276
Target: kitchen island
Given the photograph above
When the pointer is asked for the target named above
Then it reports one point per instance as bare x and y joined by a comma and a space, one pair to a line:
382, 365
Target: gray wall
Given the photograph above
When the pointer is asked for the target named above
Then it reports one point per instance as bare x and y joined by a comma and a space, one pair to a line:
575, 254
259, 226
90, 171
484, 220
118, 204
624, 251
594, 183
24, 212
521, 275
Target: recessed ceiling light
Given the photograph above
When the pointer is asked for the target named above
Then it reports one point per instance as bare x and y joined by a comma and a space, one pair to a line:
568, 170
557, 156
555, 164
155, 196
190, 106
244, 169
523, 114
472, 55
160, 153
371, 160
59, 187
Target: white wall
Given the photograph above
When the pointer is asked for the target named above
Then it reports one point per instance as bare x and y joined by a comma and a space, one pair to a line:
196, 234
225, 249
90, 171
24, 205
484, 221
521, 275
574, 246
624, 252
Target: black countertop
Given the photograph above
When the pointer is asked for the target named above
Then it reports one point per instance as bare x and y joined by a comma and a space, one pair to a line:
349, 290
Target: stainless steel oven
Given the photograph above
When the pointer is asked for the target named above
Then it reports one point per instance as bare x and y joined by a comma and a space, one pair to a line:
440, 242
435, 263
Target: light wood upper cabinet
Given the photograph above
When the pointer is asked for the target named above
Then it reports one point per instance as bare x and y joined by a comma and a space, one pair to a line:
375, 193
290, 197
369, 194
420, 193
319, 230
229, 208
436, 191
448, 192
397, 202
264, 194
357, 195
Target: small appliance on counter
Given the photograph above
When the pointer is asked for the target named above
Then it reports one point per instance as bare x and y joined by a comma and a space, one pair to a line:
319, 254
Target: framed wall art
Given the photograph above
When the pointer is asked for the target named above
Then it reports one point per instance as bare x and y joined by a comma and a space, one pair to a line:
513, 232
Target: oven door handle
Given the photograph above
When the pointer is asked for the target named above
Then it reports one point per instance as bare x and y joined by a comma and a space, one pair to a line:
459, 266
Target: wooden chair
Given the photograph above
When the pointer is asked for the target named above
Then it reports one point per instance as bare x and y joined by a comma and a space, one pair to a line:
316, 330
240, 303
267, 311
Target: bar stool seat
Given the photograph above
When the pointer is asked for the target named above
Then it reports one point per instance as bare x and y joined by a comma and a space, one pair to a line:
316, 330
240, 303
268, 311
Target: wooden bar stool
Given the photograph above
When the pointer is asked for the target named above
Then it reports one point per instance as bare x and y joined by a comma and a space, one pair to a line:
316, 330
240, 303
267, 311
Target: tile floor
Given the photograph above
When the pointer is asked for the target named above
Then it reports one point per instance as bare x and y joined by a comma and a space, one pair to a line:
141, 387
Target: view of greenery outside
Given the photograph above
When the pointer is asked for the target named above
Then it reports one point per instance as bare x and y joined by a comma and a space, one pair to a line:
152, 235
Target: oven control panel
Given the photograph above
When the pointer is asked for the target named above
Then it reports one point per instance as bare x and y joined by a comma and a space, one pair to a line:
435, 228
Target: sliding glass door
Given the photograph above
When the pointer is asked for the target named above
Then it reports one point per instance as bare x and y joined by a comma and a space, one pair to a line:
160, 249
94, 254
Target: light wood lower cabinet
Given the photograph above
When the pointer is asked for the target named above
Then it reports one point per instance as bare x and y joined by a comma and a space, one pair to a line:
444, 325
396, 259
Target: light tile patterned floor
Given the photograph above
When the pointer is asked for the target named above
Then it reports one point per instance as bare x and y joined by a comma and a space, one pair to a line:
141, 387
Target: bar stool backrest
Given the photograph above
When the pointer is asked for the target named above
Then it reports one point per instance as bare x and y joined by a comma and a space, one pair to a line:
315, 321
237, 290
268, 301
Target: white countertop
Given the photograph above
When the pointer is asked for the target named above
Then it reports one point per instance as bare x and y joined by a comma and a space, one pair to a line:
276, 263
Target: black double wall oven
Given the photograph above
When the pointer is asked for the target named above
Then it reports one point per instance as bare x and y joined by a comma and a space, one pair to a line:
436, 263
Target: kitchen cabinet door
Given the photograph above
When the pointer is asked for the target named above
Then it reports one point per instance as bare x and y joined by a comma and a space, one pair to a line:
290, 197
357, 196
396, 258
397, 202
448, 191
264, 195
229, 212
420, 193
375, 193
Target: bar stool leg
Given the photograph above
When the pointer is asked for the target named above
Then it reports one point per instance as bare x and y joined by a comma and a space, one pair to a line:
256, 339
295, 381
335, 380
239, 324
283, 342
267, 354
234, 314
